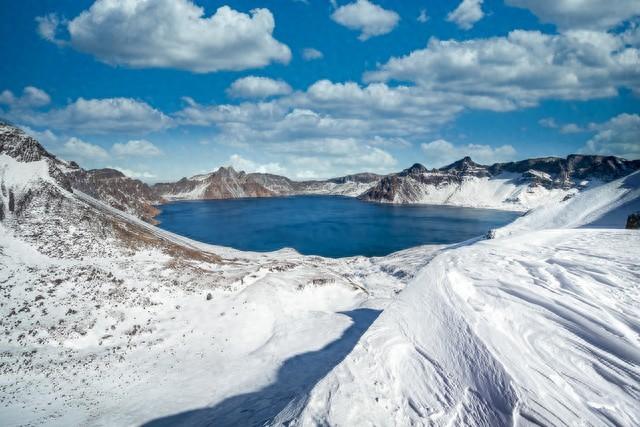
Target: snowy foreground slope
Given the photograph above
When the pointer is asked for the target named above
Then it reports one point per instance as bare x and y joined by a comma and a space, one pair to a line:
536, 328
107, 320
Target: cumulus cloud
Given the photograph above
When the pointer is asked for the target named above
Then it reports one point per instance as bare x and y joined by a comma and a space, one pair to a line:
368, 18
100, 116
171, 34
519, 70
49, 26
241, 164
550, 123
258, 87
31, 97
423, 17
440, 153
466, 14
620, 136
139, 148
143, 175
571, 128
309, 54
585, 14
77, 148
45, 136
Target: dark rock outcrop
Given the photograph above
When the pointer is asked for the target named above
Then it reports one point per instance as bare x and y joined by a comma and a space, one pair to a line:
633, 221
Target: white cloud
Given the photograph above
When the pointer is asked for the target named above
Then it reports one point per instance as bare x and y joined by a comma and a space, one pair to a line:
548, 122
589, 14
140, 148
143, 175
171, 34
77, 148
519, 70
44, 137
100, 116
31, 97
571, 128
467, 14
368, 18
423, 17
440, 153
258, 87
619, 136
309, 54
48, 27
239, 163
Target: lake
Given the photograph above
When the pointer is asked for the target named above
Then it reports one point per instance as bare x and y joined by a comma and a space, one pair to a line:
329, 226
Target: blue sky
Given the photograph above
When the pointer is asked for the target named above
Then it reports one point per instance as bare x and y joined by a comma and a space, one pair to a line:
311, 89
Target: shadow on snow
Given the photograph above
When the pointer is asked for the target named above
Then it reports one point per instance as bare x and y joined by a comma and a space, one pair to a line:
282, 400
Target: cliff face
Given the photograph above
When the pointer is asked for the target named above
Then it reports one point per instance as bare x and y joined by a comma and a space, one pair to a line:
515, 185
227, 183
115, 189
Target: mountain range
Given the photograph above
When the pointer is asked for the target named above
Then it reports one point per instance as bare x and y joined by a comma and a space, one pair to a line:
108, 320
516, 186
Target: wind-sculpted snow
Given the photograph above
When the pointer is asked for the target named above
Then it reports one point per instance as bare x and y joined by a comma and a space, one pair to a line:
605, 206
541, 329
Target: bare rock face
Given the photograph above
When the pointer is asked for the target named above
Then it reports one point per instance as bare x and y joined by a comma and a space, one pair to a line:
17, 144
117, 190
633, 221
227, 183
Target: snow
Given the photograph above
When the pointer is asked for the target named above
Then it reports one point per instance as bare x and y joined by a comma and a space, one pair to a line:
506, 191
536, 328
107, 320
21, 176
606, 205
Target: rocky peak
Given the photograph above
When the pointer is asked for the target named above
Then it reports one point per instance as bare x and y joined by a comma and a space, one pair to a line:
106, 173
365, 177
227, 172
17, 144
415, 169
466, 166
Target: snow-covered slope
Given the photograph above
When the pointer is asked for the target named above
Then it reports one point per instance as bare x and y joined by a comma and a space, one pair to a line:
518, 186
535, 329
538, 326
107, 320
604, 206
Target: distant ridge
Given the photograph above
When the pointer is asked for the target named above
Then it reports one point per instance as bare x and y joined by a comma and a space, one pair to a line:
519, 185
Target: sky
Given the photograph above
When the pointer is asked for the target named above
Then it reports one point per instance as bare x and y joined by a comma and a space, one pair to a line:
162, 89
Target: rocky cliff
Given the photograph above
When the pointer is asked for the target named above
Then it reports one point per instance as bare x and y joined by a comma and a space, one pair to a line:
117, 190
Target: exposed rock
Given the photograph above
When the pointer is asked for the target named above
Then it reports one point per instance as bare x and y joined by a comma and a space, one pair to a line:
633, 221
117, 190
227, 183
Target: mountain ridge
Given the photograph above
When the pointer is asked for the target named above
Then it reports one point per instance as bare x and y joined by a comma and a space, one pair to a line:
518, 185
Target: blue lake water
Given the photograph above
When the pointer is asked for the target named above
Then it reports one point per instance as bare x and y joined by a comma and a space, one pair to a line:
325, 225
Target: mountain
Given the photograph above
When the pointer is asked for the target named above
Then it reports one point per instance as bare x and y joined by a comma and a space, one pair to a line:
227, 183
515, 186
104, 317
108, 320
117, 190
